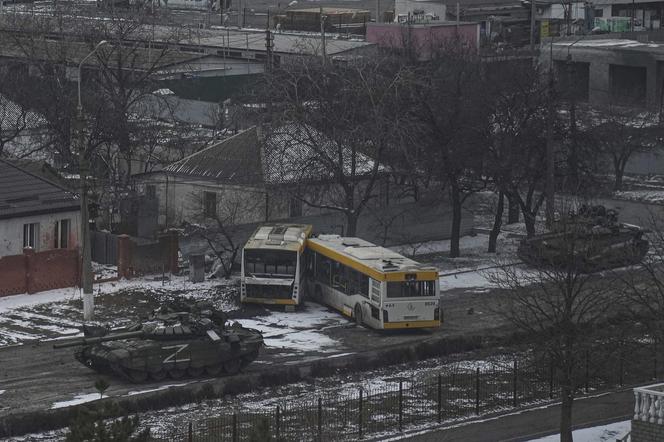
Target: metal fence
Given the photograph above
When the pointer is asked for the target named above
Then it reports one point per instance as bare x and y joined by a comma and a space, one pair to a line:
451, 393
104, 247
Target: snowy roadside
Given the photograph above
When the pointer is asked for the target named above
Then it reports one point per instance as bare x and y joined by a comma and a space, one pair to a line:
601, 433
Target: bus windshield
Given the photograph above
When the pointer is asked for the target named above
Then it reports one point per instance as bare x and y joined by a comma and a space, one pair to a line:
411, 289
269, 263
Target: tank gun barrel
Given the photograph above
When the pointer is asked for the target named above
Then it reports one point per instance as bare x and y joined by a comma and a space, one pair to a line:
98, 339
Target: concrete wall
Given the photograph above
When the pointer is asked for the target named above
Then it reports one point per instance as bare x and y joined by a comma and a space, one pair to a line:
600, 60
11, 231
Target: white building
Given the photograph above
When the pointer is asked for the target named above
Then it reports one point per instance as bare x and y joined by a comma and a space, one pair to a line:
35, 212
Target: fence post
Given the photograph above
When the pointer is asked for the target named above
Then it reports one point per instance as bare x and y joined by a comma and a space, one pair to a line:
235, 435
440, 398
191, 432
477, 391
622, 369
514, 383
278, 423
400, 405
550, 379
320, 419
359, 422
587, 371
654, 361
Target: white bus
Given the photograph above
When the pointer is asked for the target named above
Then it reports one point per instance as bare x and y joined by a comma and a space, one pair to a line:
377, 287
272, 265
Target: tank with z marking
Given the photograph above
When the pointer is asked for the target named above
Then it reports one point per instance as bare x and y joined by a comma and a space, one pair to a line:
186, 340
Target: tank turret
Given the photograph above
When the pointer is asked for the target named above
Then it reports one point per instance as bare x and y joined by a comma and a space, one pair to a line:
168, 344
592, 239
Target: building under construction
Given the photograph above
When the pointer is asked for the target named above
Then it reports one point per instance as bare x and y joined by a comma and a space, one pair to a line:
341, 20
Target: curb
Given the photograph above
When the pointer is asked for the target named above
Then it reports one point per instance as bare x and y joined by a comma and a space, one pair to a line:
18, 424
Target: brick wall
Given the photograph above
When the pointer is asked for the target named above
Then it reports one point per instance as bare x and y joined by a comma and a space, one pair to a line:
647, 431
35, 272
143, 258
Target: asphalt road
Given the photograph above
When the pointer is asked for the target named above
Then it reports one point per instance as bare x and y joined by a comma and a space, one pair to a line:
534, 423
34, 376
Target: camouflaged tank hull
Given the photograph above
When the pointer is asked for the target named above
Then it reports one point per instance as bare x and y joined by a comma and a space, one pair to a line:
591, 253
174, 352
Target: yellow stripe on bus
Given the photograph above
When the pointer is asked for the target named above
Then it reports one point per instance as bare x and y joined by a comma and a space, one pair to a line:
422, 275
270, 301
411, 324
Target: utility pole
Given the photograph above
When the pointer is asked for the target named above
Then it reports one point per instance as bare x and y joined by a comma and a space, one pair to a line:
533, 10
84, 170
269, 45
550, 171
322, 35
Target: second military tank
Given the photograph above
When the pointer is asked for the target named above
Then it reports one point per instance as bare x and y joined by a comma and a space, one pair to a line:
591, 239
173, 344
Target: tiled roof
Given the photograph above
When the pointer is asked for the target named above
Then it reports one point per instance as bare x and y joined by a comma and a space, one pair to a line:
235, 160
23, 194
286, 154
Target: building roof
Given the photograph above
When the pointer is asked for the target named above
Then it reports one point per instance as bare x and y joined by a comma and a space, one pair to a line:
23, 193
235, 160
286, 154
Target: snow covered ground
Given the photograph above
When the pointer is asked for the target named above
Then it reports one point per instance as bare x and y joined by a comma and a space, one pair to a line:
58, 313
298, 331
601, 433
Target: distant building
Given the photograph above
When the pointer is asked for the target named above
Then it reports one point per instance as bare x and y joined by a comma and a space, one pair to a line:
35, 212
602, 70
422, 38
250, 173
341, 20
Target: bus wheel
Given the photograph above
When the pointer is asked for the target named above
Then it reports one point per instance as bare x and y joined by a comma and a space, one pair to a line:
358, 314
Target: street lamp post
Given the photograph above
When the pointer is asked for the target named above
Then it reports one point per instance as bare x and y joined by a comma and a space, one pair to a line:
86, 258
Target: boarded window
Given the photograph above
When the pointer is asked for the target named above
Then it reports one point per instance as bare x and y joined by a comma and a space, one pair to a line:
210, 204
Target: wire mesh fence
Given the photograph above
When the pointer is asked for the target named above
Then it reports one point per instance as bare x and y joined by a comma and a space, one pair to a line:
436, 396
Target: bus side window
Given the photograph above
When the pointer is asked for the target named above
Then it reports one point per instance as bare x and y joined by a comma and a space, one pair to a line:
339, 278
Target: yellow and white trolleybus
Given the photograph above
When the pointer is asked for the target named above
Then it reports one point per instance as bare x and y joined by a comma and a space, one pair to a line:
374, 285
272, 263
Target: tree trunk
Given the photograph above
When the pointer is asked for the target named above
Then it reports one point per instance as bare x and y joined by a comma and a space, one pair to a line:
497, 222
456, 223
529, 220
512, 210
618, 182
351, 224
566, 413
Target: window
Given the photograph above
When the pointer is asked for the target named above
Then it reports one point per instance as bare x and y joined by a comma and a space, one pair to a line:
275, 263
31, 235
598, 12
62, 234
410, 289
210, 204
151, 191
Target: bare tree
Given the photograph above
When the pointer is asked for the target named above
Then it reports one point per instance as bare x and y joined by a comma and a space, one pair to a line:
560, 306
446, 119
619, 133
218, 219
339, 119
514, 130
